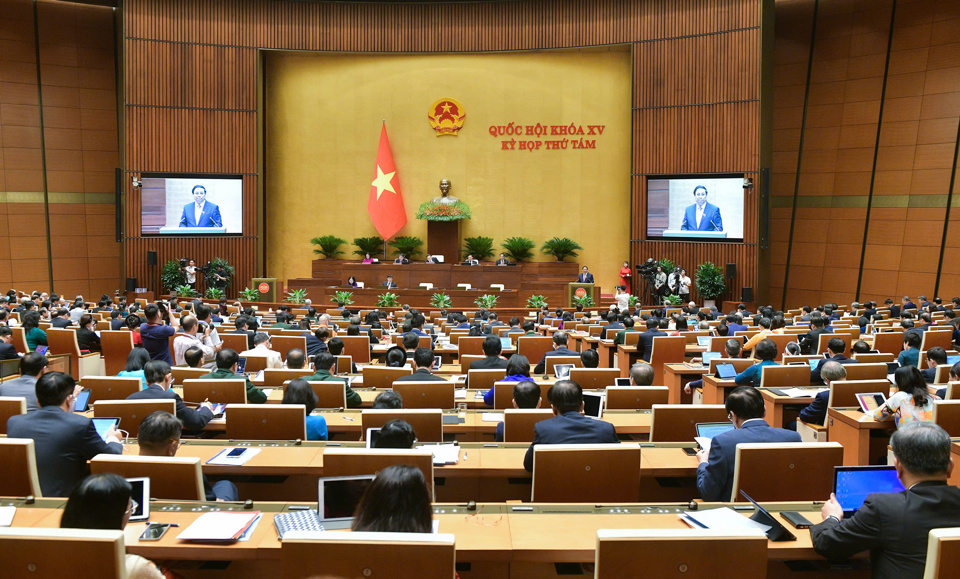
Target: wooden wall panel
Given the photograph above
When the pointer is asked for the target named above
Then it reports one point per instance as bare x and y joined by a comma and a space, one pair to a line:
192, 82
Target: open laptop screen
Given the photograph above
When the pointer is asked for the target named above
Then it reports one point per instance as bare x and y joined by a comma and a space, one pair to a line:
340, 495
852, 484
711, 429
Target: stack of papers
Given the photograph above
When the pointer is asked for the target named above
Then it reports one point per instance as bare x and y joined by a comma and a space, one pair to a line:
722, 519
460, 394
443, 453
704, 442
221, 526
491, 417
802, 392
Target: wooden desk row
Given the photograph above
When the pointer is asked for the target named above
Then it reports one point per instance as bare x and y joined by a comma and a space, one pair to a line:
496, 540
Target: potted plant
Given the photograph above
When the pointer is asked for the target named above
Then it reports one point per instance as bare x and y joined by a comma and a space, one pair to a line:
172, 276
584, 301
561, 247
214, 293
372, 245
409, 246
480, 247
388, 300
666, 265
328, 246
249, 294
634, 301
536, 301
342, 297
518, 248
486, 301
297, 296
185, 291
709, 282
672, 300
441, 300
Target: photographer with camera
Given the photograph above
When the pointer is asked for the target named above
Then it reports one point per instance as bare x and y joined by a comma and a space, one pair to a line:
189, 268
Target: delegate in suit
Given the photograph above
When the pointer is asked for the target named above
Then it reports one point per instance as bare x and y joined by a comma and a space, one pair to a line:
894, 526
200, 213
63, 441
702, 216
568, 425
715, 472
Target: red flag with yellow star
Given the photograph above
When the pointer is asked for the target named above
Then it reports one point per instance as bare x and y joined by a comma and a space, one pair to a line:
386, 203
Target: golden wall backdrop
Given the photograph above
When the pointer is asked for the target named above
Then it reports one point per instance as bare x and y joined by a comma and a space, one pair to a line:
323, 115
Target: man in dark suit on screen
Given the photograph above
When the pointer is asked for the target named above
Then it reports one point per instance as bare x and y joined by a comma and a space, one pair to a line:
63, 441
702, 216
894, 526
569, 425
745, 409
200, 213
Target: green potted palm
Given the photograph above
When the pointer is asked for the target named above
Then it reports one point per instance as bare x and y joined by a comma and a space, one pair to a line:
584, 301
297, 296
249, 294
342, 297
328, 246
372, 246
518, 248
536, 301
388, 300
172, 276
561, 247
409, 246
487, 301
480, 247
441, 300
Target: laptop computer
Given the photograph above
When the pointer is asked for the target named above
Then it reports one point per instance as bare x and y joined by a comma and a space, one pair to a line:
707, 356
562, 371
726, 371
711, 429
852, 484
373, 434
140, 497
621, 381
505, 342
951, 360
870, 401
593, 404
777, 532
338, 499
703, 341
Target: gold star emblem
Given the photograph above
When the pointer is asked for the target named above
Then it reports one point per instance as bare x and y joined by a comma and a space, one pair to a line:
446, 107
382, 182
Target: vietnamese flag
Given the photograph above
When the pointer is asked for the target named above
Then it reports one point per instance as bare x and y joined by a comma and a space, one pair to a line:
386, 203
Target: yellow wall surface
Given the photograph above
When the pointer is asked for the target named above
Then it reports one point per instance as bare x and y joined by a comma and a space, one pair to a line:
323, 117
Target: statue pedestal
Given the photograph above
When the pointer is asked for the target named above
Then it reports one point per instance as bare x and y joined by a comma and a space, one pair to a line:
443, 238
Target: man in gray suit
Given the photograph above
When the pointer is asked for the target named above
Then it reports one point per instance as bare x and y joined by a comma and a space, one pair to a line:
63, 441
32, 366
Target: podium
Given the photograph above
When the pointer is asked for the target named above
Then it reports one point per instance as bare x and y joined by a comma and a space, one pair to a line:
694, 234
266, 287
192, 230
577, 288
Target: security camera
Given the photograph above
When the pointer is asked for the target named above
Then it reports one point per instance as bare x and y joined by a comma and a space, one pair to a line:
137, 183
747, 183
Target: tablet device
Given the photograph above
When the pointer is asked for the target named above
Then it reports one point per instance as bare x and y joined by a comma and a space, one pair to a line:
372, 435
103, 425
42, 350
562, 371
505, 343
241, 364
870, 401
437, 362
951, 360
726, 371
852, 484
338, 499
711, 429
776, 532
707, 356
140, 498
621, 381
813, 363
593, 404
80, 402
703, 341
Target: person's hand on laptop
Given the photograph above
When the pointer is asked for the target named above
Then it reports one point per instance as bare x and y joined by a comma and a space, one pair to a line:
832, 508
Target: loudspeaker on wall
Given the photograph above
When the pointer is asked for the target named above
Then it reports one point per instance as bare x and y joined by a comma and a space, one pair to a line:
131, 284
746, 294
731, 270
151, 258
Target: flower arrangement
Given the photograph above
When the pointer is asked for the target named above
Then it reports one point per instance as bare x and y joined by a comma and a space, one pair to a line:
444, 211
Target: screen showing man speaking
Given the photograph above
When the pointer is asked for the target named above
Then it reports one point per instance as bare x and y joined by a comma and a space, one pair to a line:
191, 205
695, 208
